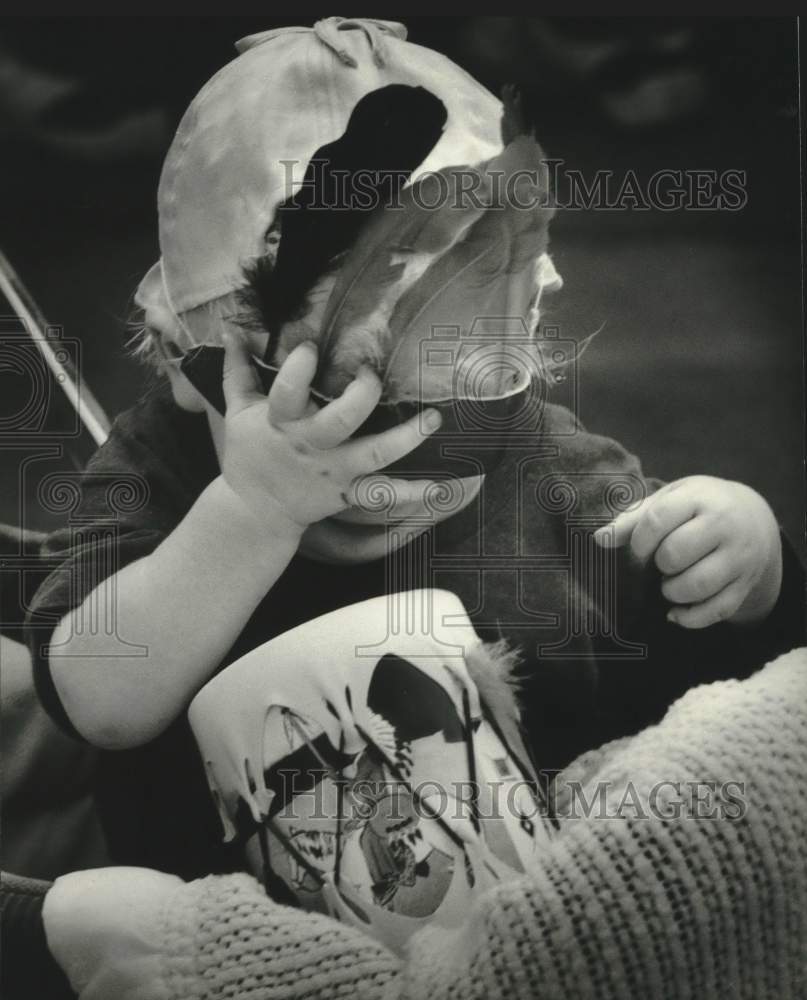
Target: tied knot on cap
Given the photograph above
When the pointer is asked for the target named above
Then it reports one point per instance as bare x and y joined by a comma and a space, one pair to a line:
327, 31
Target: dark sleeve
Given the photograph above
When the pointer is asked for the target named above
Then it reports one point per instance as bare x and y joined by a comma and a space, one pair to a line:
133, 493
28, 968
632, 691
632, 695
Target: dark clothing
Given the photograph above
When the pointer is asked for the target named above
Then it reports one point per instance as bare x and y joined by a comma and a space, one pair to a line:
599, 658
28, 969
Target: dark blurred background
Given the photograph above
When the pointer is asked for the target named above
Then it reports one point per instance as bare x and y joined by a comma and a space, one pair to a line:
699, 366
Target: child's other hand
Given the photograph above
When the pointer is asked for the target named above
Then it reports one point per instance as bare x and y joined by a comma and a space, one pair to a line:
103, 928
290, 462
717, 544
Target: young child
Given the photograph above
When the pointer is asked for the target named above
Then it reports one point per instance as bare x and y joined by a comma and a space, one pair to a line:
251, 523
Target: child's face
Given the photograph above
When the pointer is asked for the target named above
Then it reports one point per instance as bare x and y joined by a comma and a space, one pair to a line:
353, 535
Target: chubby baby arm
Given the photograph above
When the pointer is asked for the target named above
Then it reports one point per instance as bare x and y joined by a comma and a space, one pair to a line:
715, 542
185, 603
284, 467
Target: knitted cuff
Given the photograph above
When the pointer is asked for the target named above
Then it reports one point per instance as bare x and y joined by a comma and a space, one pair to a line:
225, 938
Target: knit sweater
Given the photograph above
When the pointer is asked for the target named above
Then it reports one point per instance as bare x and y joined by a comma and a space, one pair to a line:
631, 900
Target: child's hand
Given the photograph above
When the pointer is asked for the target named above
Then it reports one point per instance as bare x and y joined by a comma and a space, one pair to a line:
717, 544
103, 928
290, 462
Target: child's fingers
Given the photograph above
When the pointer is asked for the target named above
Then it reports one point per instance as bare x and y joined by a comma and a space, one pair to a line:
619, 531
398, 499
291, 389
649, 524
335, 423
665, 512
400, 491
240, 383
377, 451
686, 545
376, 493
615, 534
718, 608
700, 582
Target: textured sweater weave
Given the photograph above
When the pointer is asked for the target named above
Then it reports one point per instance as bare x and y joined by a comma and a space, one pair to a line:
629, 906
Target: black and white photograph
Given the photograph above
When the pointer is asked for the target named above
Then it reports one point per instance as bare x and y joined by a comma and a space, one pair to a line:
403, 511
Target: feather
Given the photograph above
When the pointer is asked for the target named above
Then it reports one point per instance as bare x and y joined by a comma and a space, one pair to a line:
390, 132
486, 276
394, 250
307, 323
416, 268
494, 668
392, 253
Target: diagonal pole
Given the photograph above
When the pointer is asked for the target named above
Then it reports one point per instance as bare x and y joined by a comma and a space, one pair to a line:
89, 410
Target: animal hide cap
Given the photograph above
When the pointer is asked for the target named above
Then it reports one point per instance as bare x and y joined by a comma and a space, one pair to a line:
244, 144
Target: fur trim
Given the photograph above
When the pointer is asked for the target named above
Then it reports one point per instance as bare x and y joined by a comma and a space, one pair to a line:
492, 666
